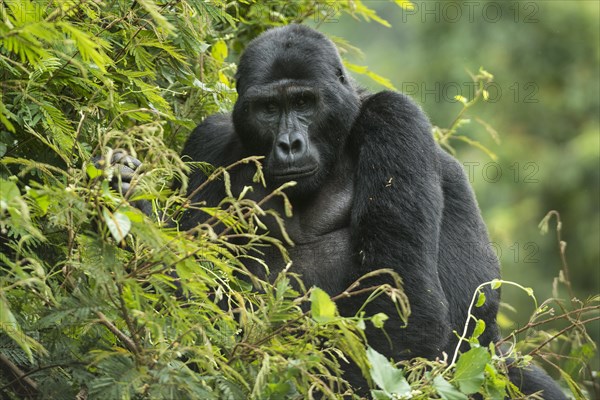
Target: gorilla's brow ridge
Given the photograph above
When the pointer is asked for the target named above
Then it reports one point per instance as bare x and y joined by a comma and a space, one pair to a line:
288, 87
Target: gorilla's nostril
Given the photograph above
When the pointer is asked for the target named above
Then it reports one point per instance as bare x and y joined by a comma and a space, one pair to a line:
284, 147
288, 147
297, 146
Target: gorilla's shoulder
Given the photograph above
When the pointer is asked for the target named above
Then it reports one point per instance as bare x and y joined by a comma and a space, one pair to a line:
213, 127
391, 116
391, 102
212, 141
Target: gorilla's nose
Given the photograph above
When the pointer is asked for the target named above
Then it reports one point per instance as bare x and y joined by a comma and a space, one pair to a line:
290, 147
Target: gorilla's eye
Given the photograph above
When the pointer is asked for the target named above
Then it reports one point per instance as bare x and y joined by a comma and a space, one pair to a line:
269, 106
303, 102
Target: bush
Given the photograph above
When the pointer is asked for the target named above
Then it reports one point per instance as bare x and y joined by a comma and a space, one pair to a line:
89, 307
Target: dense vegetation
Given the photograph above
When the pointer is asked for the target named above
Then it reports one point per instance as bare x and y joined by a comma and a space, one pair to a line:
544, 103
88, 303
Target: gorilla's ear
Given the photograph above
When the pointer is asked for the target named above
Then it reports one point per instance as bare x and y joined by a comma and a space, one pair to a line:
341, 76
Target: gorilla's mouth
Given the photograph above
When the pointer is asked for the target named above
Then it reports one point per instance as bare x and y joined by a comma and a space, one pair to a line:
293, 174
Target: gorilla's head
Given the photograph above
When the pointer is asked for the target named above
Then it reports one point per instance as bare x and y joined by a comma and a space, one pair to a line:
296, 105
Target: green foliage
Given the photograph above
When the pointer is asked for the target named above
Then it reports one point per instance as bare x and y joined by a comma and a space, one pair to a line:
323, 309
544, 101
89, 307
469, 370
386, 376
443, 136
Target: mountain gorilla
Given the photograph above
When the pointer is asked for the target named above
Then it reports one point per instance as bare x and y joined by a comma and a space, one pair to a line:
373, 191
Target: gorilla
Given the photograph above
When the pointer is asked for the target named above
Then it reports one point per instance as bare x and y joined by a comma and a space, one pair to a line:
373, 190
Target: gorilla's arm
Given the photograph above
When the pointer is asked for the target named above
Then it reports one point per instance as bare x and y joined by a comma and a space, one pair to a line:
213, 141
397, 215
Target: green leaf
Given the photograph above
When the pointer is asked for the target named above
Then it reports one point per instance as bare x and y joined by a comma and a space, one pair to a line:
360, 324
42, 200
379, 319
89, 47
495, 383
380, 395
363, 70
479, 328
480, 299
405, 4
134, 216
10, 326
157, 14
572, 385
118, 224
369, 14
469, 369
219, 51
9, 192
62, 131
446, 390
478, 145
4, 113
92, 171
389, 378
322, 307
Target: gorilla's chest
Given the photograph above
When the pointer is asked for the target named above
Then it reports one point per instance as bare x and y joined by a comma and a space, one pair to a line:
320, 229
324, 262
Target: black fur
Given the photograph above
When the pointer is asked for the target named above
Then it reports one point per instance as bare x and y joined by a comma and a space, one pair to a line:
374, 191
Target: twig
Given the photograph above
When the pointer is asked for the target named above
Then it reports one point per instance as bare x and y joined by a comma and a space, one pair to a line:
123, 337
534, 324
545, 342
35, 371
29, 384
562, 246
128, 320
217, 173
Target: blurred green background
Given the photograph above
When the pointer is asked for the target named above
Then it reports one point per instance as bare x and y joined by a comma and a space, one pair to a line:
544, 104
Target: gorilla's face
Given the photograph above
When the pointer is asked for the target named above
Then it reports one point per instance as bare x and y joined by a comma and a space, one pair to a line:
284, 116
295, 106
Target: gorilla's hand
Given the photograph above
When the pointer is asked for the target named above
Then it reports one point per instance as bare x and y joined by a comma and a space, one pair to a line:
126, 168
